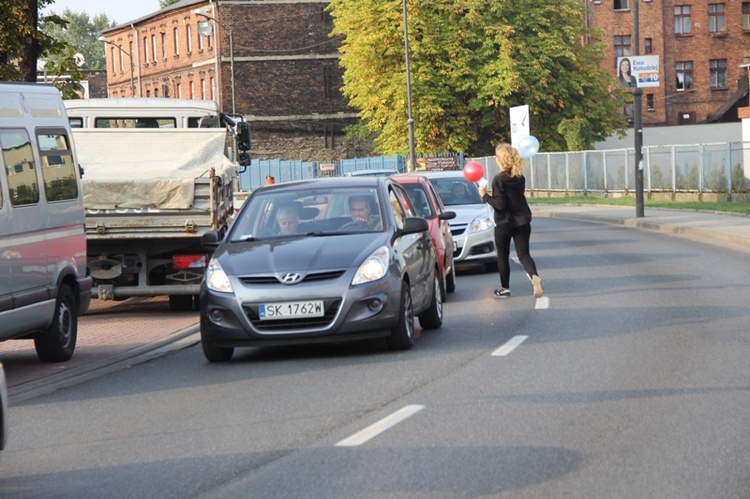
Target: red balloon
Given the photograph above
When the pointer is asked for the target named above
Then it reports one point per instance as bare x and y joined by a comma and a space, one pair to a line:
473, 171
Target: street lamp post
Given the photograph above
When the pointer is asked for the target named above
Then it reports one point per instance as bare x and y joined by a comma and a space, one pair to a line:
638, 123
106, 40
203, 13
410, 121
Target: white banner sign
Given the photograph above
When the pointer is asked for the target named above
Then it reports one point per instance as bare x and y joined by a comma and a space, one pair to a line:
519, 124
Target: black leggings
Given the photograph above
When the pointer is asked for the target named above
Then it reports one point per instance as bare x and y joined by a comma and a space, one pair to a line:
520, 235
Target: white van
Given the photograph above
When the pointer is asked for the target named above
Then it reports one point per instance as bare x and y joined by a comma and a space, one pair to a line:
43, 283
140, 112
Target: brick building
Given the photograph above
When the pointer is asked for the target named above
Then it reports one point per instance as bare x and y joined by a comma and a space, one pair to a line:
701, 45
277, 66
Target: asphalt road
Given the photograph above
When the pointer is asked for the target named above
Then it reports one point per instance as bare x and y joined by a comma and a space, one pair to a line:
630, 380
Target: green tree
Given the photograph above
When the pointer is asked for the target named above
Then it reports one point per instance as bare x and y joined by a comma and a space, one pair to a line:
22, 44
166, 3
471, 62
82, 33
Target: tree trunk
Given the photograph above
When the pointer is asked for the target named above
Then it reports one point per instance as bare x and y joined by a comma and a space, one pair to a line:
30, 54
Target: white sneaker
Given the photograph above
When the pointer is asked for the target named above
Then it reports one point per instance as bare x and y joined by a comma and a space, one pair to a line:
537, 283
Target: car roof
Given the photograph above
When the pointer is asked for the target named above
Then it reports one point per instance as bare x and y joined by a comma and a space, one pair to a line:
443, 174
329, 182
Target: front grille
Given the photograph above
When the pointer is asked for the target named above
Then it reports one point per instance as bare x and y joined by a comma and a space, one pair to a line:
286, 325
272, 279
457, 230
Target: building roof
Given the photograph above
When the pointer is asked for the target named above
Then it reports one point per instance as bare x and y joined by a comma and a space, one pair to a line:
730, 103
175, 6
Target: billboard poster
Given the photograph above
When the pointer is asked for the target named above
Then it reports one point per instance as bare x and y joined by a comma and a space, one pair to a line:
638, 71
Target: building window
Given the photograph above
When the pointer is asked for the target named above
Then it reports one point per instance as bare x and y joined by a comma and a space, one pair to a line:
145, 49
213, 88
621, 4
122, 61
718, 73
684, 71
189, 37
746, 16
203, 89
153, 47
156, 92
179, 90
650, 102
112, 53
621, 46
191, 94
130, 57
176, 35
716, 18
148, 93
682, 23
164, 46
648, 46
200, 42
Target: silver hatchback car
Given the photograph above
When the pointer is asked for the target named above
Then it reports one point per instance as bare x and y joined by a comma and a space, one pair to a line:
323, 260
473, 228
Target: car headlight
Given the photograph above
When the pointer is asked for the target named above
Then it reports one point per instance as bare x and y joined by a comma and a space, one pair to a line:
217, 279
483, 222
374, 267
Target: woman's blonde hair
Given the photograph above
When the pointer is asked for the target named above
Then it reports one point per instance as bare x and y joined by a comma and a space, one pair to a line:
509, 160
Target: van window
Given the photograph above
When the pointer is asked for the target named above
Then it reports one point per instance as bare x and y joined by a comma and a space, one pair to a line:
19, 166
135, 123
58, 169
76, 122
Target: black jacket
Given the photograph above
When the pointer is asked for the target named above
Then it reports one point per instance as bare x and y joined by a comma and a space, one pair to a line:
508, 200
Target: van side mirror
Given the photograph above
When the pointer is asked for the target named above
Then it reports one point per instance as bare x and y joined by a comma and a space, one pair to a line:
243, 136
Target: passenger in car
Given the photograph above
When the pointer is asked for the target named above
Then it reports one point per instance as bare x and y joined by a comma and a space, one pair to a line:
287, 219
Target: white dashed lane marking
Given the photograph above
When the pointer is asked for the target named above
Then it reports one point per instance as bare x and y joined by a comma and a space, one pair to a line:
377, 428
509, 346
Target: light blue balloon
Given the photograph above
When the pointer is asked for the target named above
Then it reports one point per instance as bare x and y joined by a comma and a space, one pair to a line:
528, 146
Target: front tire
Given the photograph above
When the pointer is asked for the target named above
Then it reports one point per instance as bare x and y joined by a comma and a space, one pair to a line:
58, 341
432, 318
450, 280
402, 336
214, 353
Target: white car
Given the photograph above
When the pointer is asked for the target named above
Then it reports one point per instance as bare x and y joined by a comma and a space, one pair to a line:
473, 228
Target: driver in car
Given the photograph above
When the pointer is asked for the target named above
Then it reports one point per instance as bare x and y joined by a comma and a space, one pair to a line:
360, 209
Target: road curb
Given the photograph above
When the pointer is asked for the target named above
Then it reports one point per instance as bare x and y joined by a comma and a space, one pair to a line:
138, 355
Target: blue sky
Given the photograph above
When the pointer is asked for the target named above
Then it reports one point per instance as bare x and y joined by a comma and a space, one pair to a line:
119, 10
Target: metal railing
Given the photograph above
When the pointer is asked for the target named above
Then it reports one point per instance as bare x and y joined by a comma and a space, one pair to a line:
720, 167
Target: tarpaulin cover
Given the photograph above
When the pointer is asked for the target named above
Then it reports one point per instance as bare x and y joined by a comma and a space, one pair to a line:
148, 168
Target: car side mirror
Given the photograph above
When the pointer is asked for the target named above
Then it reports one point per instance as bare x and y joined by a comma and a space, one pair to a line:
413, 225
447, 215
212, 238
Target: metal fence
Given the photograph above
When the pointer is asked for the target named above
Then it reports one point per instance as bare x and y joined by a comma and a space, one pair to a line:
721, 167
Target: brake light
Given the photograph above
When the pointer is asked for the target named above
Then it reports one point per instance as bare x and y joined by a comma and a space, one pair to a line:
189, 261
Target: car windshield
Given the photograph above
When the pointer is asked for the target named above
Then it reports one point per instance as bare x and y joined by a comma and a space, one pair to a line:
456, 191
281, 213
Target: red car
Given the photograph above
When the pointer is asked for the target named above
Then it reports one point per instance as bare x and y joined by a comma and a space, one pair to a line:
427, 204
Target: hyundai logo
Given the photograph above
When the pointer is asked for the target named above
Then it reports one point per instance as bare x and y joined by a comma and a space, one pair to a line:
291, 278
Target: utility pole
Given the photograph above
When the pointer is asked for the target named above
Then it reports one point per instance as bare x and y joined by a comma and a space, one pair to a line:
410, 121
638, 122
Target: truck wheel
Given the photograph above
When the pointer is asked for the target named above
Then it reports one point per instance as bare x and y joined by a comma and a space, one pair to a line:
432, 318
402, 336
214, 353
58, 341
180, 303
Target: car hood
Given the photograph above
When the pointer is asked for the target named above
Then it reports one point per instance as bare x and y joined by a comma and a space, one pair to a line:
298, 254
465, 213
